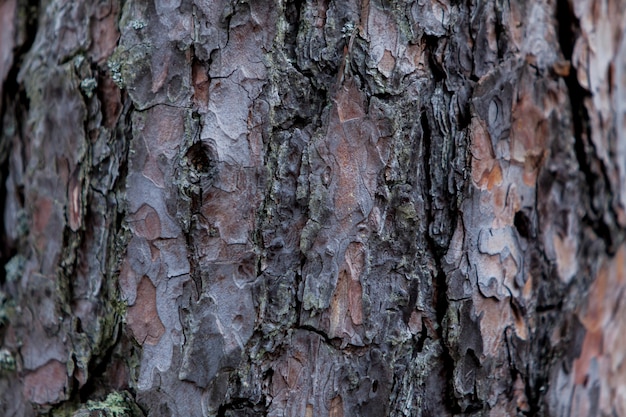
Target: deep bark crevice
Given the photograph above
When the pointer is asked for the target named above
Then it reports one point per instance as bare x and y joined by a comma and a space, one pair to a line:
97, 370
439, 282
568, 27
241, 407
594, 170
501, 31
7, 248
437, 70
292, 11
15, 107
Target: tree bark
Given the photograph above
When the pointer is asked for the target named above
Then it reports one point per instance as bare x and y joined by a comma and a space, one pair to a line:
313, 208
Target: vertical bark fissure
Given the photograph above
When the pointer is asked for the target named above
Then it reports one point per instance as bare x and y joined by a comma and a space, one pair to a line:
440, 285
14, 106
597, 182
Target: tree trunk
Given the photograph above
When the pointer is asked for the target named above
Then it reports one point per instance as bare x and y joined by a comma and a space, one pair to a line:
313, 208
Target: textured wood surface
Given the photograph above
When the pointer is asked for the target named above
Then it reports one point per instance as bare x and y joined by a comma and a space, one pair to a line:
313, 208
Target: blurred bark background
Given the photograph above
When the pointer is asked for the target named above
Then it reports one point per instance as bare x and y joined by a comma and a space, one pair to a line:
313, 208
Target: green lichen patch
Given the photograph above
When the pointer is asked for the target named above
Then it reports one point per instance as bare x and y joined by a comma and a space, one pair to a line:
88, 85
126, 64
7, 309
14, 269
138, 24
116, 404
7, 361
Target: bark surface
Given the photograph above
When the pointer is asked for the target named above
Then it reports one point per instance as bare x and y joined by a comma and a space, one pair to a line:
313, 208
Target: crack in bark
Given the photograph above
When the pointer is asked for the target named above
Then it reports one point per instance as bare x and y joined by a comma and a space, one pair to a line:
594, 169
440, 285
242, 406
15, 101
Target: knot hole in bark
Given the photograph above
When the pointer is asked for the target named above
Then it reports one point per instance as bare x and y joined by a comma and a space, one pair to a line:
523, 224
200, 158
